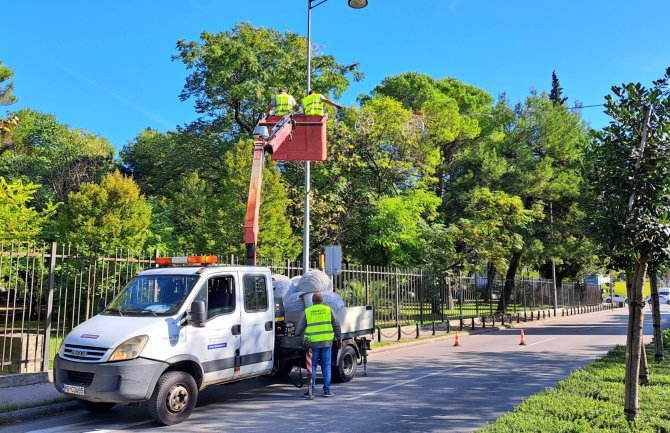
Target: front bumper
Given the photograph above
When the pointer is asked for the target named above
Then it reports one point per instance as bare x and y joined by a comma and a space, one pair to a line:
116, 382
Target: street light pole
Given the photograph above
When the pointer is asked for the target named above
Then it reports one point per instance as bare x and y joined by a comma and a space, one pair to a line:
311, 4
305, 236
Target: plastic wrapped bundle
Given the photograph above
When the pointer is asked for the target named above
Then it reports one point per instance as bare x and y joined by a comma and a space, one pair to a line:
332, 299
293, 302
282, 286
294, 284
315, 281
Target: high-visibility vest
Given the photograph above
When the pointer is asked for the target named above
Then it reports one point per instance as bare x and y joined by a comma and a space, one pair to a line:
313, 105
319, 323
281, 104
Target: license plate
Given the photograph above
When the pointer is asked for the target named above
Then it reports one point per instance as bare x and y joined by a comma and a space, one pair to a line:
72, 389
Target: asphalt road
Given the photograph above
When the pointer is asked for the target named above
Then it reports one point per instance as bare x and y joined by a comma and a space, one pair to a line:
430, 387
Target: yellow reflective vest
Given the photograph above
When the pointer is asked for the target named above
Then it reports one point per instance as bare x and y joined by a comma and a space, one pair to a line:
319, 323
313, 105
282, 104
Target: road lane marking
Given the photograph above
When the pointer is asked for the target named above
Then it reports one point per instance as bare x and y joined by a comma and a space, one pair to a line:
542, 341
404, 382
118, 427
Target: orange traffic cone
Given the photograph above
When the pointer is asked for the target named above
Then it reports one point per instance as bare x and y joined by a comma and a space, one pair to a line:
523, 339
458, 340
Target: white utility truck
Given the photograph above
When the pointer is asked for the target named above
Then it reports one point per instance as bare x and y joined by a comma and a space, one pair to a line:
173, 331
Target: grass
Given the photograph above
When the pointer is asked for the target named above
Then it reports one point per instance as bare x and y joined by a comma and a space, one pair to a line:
13, 407
591, 400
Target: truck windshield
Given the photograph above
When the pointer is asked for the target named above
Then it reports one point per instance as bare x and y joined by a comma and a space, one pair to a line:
158, 295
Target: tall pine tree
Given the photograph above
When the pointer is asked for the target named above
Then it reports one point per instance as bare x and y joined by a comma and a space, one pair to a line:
556, 90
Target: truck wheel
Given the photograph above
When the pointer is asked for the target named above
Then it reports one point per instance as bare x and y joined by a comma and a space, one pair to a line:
174, 398
95, 406
345, 368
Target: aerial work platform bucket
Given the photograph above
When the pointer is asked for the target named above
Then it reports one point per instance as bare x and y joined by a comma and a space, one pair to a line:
307, 142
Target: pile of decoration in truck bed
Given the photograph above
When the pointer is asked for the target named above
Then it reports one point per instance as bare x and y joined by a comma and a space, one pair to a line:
297, 291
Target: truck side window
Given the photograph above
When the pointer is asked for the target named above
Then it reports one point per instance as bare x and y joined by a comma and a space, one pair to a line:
220, 296
255, 293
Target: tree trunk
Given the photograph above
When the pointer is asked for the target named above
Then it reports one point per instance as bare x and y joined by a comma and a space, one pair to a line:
644, 366
634, 338
450, 294
656, 315
508, 287
490, 278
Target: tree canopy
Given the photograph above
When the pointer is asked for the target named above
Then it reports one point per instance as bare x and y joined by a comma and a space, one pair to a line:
105, 216
18, 220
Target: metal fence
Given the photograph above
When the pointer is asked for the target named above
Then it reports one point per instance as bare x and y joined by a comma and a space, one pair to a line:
47, 290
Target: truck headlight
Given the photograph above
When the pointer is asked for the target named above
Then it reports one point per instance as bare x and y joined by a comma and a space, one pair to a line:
129, 349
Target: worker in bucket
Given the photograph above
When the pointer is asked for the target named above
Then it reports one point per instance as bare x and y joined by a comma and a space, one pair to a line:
313, 104
320, 327
282, 104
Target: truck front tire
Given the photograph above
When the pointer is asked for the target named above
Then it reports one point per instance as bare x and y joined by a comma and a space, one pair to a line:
345, 368
173, 398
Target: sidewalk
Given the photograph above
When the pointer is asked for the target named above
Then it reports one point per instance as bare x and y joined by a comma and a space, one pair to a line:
31, 395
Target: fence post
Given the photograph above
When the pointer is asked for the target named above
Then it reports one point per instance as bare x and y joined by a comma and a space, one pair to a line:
50, 301
461, 298
445, 289
419, 297
397, 302
367, 285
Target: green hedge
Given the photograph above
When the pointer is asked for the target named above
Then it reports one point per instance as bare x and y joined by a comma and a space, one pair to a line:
591, 400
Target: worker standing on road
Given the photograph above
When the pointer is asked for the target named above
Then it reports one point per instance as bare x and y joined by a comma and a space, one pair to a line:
313, 104
282, 104
320, 327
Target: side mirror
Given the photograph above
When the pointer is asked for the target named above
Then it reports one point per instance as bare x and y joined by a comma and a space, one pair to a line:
198, 315
102, 303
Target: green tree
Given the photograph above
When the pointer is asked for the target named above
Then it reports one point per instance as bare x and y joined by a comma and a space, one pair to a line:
18, 220
491, 227
556, 93
236, 73
105, 216
398, 227
368, 165
629, 175
449, 109
533, 151
42, 150
201, 207
7, 96
276, 239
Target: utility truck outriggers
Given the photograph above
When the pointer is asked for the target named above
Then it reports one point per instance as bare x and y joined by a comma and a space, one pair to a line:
173, 331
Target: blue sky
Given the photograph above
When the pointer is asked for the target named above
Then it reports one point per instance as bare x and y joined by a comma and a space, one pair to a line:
106, 66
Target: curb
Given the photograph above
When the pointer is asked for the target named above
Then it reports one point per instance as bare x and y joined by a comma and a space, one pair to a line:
14, 380
36, 412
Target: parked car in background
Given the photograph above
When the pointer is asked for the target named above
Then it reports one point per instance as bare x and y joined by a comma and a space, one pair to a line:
617, 299
663, 296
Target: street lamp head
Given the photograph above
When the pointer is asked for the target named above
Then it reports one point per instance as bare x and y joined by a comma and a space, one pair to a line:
358, 4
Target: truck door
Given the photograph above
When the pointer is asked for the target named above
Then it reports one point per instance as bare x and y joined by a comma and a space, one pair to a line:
217, 344
256, 350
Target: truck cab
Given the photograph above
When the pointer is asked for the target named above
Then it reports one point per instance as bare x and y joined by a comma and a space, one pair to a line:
168, 334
